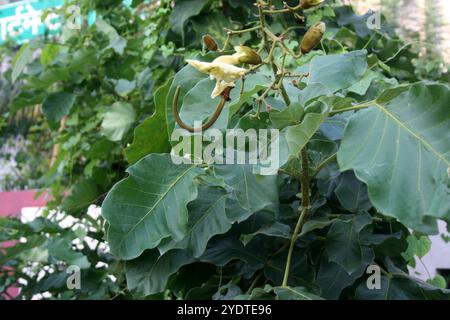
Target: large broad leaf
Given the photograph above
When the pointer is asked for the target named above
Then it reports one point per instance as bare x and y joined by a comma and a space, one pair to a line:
398, 285
328, 74
363, 85
149, 273
183, 10
151, 135
401, 288
352, 193
344, 244
301, 273
22, 58
294, 293
223, 250
332, 278
207, 218
49, 77
118, 120
400, 147
60, 249
81, 196
297, 136
149, 205
57, 105
290, 116
253, 192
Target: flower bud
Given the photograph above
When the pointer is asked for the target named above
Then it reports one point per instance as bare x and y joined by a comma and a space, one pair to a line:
306, 4
210, 43
246, 55
312, 37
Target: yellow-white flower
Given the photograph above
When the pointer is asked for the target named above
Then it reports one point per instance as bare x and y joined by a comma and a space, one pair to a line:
224, 73
246, 55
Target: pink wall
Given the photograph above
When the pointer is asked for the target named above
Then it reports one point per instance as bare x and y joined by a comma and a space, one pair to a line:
11, 204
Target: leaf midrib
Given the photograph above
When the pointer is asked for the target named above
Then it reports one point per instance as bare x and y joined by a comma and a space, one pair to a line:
298, 293
411, 132
163, 195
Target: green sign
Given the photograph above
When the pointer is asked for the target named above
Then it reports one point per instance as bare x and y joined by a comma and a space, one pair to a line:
21, 21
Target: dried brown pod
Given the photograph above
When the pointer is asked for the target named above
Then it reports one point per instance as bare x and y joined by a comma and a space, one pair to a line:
210, 43
312, 37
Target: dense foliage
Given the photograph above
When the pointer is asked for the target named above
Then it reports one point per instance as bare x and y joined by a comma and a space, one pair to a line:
364, 157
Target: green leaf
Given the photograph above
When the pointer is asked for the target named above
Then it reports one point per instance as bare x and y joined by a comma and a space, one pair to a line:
352, 193
51, 281
312, 225
116, 42
363, 85
331, 73
400, 147
298, 136
207, 218
274, 229
265, 293
149, 205
26, 99
294, 293
332, 278
58, 105
151, 135
183, 10
290, 116
343, 243
418, 245
49, 77
213, 24
301, 273
223, 250
252, 85
124, 87
401, 287
150, 273
253, 192
49, 53
61, 249
438, 281
38, 254
21, 60
82, 195
118, 120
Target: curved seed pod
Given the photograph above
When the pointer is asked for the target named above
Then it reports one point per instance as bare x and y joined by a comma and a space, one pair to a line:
247, 55
306, 4
210, 43
312, 37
